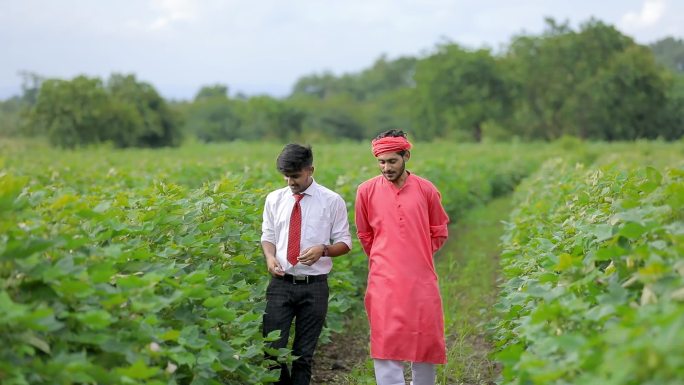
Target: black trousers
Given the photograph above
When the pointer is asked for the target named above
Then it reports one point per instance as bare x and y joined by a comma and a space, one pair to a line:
307, 305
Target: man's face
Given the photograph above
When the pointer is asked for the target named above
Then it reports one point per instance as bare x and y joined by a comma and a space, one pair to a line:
392, 165
299, 181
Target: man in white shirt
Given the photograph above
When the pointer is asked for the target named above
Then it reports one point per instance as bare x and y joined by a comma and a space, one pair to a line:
304, 226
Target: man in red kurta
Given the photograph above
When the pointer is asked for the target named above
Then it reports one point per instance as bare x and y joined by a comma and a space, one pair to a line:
401, 224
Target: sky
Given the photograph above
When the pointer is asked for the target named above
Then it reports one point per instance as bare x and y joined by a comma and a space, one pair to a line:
264, 46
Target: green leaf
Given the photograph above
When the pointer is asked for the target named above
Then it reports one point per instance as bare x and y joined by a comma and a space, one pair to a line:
95, 319
138, 371
10, 188
190, 337
69, 287
101, 273
170, 335
217, 301
130, 282
609, 253
197, 276
632, 230
223, 314
102, 206
207, 356
37, 342
564, 262
22, 248
601, 232
10, 310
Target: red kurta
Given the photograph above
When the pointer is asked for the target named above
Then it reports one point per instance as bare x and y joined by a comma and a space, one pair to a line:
400, 229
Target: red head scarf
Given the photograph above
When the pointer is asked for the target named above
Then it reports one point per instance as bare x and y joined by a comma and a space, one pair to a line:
390, 144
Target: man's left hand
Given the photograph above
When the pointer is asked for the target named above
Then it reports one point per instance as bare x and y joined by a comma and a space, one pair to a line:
311, 255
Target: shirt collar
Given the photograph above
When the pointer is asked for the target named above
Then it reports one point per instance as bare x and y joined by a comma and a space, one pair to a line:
311, 190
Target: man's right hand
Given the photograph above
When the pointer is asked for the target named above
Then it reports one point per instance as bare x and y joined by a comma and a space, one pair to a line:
274, 267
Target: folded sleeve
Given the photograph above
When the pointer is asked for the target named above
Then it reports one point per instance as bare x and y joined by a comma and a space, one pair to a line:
268, 223
340, 226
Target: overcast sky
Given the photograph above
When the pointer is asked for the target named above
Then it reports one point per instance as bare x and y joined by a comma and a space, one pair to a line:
264, 46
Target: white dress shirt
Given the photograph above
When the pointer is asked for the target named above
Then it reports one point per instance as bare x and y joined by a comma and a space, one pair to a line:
324, 221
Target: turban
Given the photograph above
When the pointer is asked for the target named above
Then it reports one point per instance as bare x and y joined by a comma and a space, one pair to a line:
390, 144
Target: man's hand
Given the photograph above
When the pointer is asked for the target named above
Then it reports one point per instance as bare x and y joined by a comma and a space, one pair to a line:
311, 255
274, 267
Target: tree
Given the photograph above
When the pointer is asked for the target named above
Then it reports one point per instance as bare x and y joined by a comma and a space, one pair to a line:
82, 111
670, 53
382, 77
332, 119
458, 91
10, 116
317, 86
389, 110
157, 125
265, 117
213, 91
71, 112
15, 112
627, 99
551, 73
30, 85
214, 119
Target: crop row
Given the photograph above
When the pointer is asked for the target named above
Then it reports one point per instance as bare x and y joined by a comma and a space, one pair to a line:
594, 274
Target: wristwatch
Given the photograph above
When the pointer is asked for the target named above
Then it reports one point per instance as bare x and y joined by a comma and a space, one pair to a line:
326, 253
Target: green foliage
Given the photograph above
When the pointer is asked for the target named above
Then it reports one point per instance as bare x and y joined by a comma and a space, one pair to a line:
14, 111
636, 90
153, 123
83, 111
70, 112
214, 91
213, 119
145, 285
459, 90
593, 82
333, 118
144, 267
384, 76
593, 273
10, 116
265, 117
670, 53
549, 69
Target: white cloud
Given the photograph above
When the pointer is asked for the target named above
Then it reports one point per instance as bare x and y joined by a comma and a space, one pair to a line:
170, 11
651, 13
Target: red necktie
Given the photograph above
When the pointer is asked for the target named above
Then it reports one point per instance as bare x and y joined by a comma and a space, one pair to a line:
295, 233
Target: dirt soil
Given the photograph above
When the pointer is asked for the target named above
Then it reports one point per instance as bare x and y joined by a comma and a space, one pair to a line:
333, 361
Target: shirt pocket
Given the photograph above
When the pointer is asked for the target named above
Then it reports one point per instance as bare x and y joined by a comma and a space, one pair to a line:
317, 231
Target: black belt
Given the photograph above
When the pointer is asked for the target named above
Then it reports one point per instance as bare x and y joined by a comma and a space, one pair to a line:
302, 279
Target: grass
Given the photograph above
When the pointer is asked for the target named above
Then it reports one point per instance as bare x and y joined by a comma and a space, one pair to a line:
468, 269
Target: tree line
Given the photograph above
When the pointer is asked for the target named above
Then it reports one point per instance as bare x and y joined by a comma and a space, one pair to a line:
592, 82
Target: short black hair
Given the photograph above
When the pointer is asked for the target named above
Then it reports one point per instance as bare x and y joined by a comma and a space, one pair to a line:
294, 157
393, 133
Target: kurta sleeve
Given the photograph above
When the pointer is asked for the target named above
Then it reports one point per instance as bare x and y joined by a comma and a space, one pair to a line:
363, 229
438, 221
